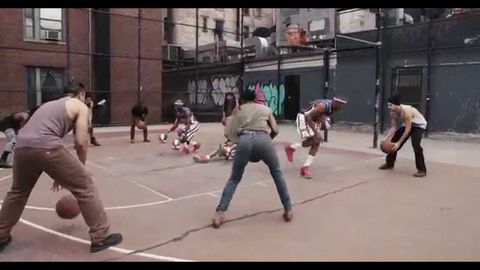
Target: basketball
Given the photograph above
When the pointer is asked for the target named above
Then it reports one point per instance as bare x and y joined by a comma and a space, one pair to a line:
163, 137
67, 207
140, 124
176, 144
387, 146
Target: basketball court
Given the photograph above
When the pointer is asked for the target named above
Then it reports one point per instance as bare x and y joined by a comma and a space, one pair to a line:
162, 202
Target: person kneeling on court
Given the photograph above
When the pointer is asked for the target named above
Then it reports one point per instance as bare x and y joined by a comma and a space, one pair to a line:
139, 120
10, 124
413, 125
39, 149
252, 127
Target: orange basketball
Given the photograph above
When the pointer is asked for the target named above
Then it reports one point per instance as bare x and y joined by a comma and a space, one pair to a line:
67, 207
140, 124
387, 146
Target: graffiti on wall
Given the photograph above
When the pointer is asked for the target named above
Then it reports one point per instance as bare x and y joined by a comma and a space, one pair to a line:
271, 93
212, 91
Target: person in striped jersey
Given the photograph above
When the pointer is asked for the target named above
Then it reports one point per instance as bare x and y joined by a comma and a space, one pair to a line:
309, 124
183, 115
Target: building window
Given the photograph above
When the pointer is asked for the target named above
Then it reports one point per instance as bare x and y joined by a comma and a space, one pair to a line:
44, 84
44, 24
246, 11
205, 24
246, 31
219, 29
258, 12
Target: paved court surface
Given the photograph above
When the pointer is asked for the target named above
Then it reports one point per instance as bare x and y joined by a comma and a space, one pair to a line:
163, 203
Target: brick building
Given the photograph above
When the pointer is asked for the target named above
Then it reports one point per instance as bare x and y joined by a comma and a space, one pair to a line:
101, 49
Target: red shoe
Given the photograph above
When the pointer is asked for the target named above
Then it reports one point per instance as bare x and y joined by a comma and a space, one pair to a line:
201, 159
185, 150
305, 172
196, 147
289, 151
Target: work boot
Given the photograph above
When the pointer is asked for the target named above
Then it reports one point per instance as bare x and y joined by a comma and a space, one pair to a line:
5, 242
218, 219
305, 172
288, 215
386, 167
420, 174
111, 240
4, 164
93, 141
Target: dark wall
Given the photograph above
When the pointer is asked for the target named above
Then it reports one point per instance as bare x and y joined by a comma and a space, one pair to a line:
355, 80
101, 63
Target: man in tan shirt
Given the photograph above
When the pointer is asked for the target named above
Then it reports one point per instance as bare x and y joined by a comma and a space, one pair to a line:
252, 128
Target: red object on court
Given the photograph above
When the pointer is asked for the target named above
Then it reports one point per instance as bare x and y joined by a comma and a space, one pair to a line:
387, 146
289, 151
67, 207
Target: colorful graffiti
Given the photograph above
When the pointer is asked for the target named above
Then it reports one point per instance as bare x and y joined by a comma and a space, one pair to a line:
213, 91
271, 93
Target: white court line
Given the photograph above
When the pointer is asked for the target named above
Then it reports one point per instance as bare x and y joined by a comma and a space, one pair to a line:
210, 193
5, 178
117, 249
131, 181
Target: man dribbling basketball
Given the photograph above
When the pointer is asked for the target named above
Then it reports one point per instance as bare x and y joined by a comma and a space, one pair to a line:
413, 125
39, 149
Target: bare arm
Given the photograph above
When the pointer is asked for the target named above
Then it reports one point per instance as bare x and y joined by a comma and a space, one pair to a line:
393, 127
272, 123
175, 125
81, 133
309, 118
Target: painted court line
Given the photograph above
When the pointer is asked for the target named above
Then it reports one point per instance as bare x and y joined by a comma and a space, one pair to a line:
5, 178
117, 249
131, 181
209, 193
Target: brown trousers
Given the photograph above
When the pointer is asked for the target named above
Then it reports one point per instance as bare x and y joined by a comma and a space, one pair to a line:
63, 167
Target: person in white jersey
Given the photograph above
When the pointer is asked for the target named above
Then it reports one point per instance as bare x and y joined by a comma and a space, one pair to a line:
406, 122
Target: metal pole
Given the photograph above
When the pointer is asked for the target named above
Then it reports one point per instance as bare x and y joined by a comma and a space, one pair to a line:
378, 76
67, 11
429, 73
90, 48
242, 60
196, 56
326, 65
139, 86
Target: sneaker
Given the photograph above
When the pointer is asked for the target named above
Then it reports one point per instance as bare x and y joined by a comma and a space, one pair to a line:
186, 150
147, 140
288, 215
94, 141
196, 147
305, 172
289, 151
420, 174
201, 159
385, 167
4, 164
5, 242
218, 219
111, 240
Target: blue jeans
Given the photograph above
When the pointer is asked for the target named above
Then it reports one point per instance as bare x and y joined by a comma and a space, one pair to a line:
256, 146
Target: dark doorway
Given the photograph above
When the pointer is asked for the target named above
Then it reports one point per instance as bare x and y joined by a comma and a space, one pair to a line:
292, 97
408, 83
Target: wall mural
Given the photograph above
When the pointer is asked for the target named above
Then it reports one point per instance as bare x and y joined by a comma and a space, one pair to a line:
271, 93
212, 91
